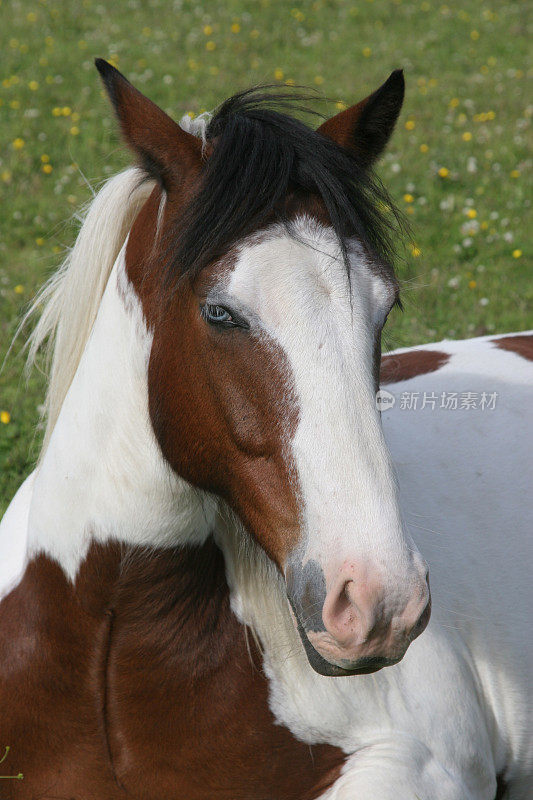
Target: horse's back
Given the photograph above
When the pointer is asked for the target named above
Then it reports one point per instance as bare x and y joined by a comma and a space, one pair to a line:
13, 535
465, 481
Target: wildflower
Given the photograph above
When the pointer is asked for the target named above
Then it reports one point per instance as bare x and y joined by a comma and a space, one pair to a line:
443, 172
410, 124
18, 143
466, 137
39, 241
45, 158
408, 198
278, 74
5, 417
474, 35
235, 28
319, 80
517, 253
515, 173
56, 112
66, 111
471, 213
367, 52
74, 130
340, 105
210, 45
47, 169
208, 30
19, 289
424, 148
415, 250
472, 284
454, 102
33, 85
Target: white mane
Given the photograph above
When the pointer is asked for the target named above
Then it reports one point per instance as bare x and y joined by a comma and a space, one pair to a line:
68, 302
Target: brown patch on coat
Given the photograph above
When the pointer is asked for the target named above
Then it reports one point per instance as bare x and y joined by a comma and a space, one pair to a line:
403, 366
137, 681
521, 344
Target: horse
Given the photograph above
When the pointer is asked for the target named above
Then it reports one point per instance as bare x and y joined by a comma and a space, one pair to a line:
212, 583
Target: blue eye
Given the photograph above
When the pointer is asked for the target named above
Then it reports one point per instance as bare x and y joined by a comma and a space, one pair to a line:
218, 315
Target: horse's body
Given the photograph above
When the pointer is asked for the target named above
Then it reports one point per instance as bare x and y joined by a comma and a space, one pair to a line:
128, 663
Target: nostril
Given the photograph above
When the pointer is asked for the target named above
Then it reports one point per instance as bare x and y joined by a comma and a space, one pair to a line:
341, 613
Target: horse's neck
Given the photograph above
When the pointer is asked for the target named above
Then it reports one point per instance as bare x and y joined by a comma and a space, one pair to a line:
102, 476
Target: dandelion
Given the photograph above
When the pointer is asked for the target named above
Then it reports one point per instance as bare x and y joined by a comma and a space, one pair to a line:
454, 102
415, 250
18, 143
472, 284
5, 417
39, 241
467, 136
340, 105
210, 45
319, 80
517, 253
471, 213
515, 173
254, 33
443, 172
208, 30
235, 28
278, 74
66, 111
408, 198
74, 130
424, 148
367, 52
409, 125
33, 85
47, 169
19, 289
474, 35
56, 112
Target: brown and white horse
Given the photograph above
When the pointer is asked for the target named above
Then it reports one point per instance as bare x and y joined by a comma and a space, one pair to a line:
214, 534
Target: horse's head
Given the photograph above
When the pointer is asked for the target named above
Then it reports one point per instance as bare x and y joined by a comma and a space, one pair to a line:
259, 261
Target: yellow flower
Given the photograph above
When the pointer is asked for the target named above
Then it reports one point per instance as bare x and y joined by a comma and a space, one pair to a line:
254, 33
47, 169
367, 52
56, 112
210, 45
424, 148
31, 17
408, 198
14, 104
6, 176
340, 105
66, 111
474, 35
235, 28
208, 30
290, 82
278, 74
515, 173
74, 130
471, 213
466, 136
33, 85
472, 284
517, 253
415, 250
39, 241
5, 417
319, 80
19, 289
410, 124
484, 225
18, 143
444, 172
454, 102
45, 158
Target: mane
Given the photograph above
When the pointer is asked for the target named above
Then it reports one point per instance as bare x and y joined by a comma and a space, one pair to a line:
68, 302
263, 159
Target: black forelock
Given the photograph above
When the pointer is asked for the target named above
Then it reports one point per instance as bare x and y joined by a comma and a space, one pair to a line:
261, 156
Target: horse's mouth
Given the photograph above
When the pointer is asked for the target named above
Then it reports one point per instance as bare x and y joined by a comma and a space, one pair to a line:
343, 667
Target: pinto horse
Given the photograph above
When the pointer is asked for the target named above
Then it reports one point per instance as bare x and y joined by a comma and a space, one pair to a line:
211, 587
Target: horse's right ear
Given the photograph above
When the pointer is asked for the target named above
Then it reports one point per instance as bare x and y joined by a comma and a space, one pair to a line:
167, 152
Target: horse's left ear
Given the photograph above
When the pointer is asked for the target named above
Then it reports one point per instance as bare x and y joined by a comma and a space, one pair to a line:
167, 152
366, 127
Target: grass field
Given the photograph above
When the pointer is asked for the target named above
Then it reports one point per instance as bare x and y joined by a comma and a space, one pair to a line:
458, 164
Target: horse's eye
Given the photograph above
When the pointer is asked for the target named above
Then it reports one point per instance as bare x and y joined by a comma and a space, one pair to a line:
218, 315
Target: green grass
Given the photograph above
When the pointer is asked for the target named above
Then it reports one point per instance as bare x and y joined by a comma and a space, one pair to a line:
465, 111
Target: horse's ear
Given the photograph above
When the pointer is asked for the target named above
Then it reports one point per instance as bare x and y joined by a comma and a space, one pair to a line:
366, 127
166, 151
